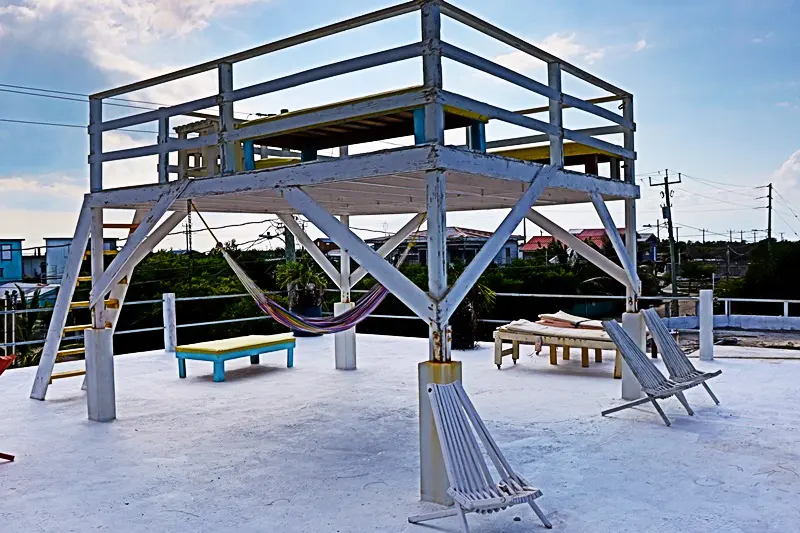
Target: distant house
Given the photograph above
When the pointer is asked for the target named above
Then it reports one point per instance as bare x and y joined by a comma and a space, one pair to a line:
326, 245
10, 260
462, 245
57, 252
34, 265
647, 242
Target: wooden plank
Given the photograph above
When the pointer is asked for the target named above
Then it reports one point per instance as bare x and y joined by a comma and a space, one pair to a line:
62, 306
513, 41
116, 270
312, 249
580, 247
391, 244
489, 250
68, 374
70, 351
325, 31
70, 329
381, 270
85, 304
616, 241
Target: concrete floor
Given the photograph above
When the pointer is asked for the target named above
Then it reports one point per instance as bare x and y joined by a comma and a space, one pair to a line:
311, 449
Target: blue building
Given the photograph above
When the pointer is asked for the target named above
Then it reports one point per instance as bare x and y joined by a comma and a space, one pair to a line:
10, 260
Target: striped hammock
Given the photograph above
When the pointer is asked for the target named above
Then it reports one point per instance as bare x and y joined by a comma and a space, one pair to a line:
361, 309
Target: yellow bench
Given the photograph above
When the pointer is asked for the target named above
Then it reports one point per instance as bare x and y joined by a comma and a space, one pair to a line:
222, 350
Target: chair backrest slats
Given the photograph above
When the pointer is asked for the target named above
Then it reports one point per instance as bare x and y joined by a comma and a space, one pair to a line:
645, 371
466, 469
463, 446
500, 463
674, 359
457, 422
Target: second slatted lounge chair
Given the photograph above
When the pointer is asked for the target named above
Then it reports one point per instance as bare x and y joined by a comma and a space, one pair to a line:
471, 484
680, 368
654, 384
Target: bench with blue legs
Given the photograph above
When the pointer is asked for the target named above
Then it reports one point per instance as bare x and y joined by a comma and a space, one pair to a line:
218, 352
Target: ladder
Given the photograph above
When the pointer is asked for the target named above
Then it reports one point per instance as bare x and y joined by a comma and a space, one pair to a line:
57, 330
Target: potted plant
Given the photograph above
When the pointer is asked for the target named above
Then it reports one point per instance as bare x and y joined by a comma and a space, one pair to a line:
305, 287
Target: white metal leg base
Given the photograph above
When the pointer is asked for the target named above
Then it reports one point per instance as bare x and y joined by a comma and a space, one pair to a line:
433, 516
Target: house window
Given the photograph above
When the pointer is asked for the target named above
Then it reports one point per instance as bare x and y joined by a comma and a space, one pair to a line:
1, 272
508, 255
5, 252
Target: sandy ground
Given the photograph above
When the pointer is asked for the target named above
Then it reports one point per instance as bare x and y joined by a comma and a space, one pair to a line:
311, 449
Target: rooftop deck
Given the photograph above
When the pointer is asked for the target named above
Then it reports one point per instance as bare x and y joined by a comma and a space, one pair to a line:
314, 449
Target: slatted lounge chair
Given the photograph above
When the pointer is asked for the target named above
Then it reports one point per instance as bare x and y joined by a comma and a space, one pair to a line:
471, 484
654, 384
680, 368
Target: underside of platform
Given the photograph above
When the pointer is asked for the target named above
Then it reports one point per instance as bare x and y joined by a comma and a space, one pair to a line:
386, 182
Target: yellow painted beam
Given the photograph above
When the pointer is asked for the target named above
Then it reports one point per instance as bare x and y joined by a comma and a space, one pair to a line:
69, 374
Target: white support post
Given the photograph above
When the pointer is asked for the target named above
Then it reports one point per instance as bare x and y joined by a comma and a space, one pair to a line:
312, 249
163, 154
556, 115
439, 341
95, 144
727, 307
170, 321
100, 393
580, 247
388, 276
706, 311
489, 250
785, 308
65, 292
344, 341
432, 69
98, 307
120, 263
633, 324
628, 263
390, 245
344, 266
226, 121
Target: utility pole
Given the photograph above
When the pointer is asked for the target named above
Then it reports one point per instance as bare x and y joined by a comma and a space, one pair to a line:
666, 194
754, 235
741, 235
730, 235
704, 236
769, 218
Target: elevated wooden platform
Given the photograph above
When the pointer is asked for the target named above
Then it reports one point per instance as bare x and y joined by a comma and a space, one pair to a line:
385, 182
369, 127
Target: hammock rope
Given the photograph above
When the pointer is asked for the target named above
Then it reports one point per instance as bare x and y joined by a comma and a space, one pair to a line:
361, 309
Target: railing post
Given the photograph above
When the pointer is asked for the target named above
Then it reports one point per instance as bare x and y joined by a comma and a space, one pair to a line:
226, 122
727, 307
163, 154
556, 115
432, 69
706, 312
95, 144
785, 308
170, 321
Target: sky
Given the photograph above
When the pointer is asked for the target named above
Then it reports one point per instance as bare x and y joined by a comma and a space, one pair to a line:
716, 87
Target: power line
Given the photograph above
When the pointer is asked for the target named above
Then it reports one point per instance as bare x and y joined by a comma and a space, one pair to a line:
718, 199
711, 184
63, 125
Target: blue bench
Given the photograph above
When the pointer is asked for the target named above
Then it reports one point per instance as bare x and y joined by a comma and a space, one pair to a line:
218, 352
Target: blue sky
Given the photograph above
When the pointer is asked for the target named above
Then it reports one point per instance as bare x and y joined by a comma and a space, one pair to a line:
716, 86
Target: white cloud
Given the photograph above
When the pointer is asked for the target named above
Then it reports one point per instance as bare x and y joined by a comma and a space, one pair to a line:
761, 39
640, 45
54, 185
114, 34
561, 45
788, 175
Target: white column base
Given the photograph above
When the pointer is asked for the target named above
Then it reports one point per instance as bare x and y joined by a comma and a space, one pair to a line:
100, 393
633, 324
706, 312
170, 322
345, 341
433, 483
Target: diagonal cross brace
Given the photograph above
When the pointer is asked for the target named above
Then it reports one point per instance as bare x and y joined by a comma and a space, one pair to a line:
118, 266
312, 249
390, 245
489, 250
386, 274
580, 247
616, 242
